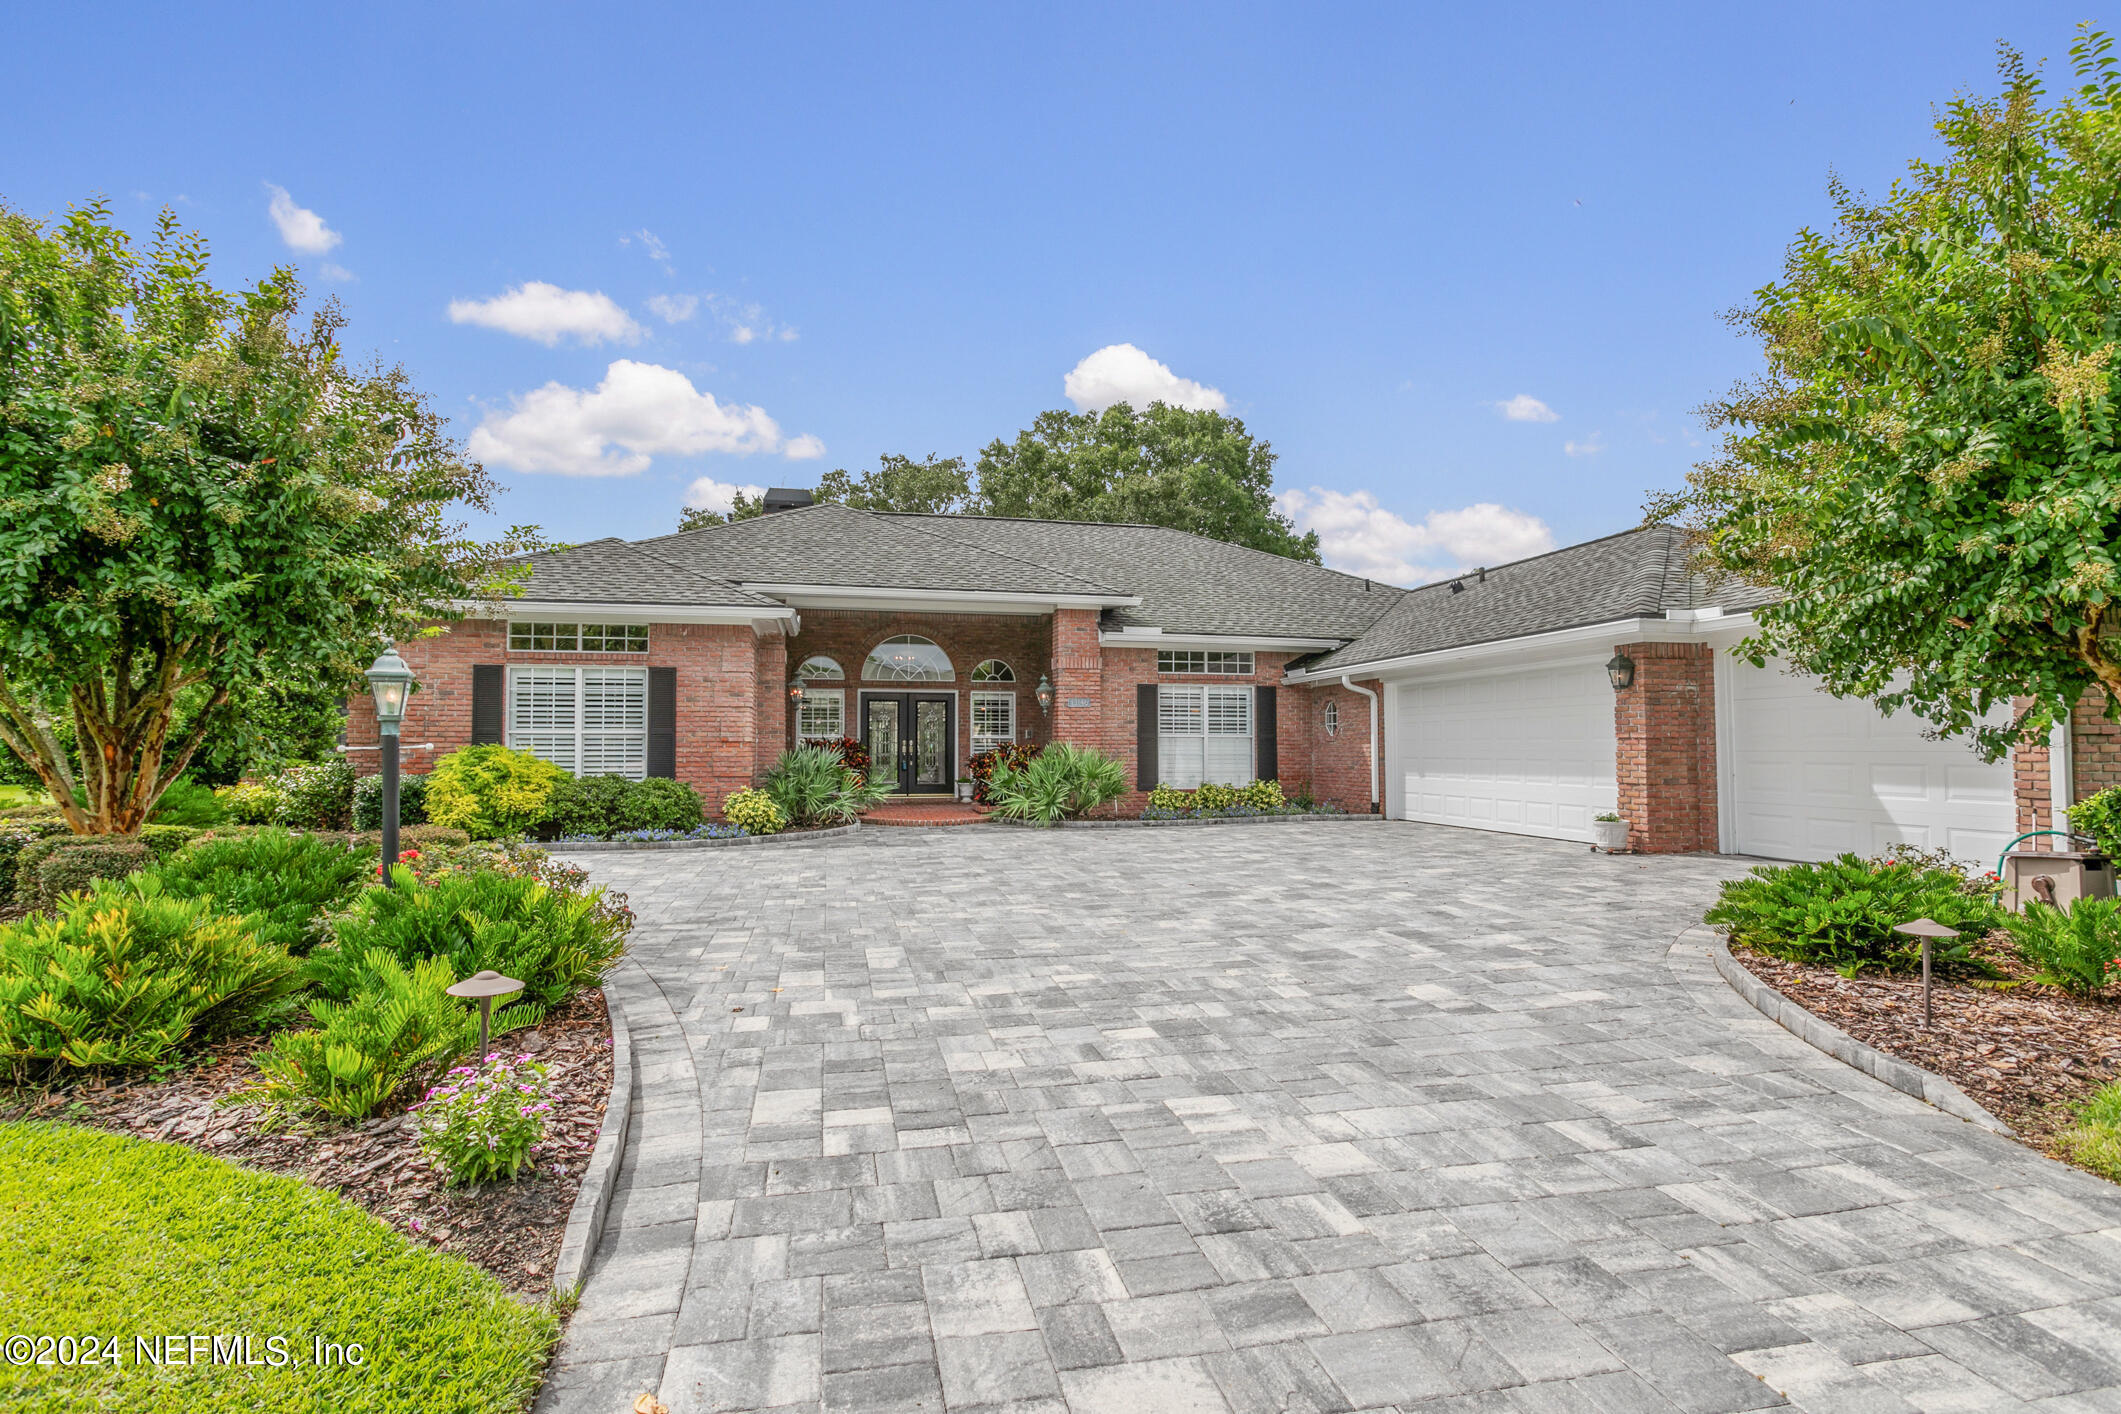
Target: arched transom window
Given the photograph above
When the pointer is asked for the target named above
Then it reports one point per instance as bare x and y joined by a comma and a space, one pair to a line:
907, 658
994, 670
819, 670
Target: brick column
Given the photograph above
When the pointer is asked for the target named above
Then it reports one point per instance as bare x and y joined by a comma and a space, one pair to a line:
1078, 676
1664, 730
772, 668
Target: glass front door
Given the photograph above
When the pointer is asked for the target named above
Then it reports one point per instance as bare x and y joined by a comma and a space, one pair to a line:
912, 738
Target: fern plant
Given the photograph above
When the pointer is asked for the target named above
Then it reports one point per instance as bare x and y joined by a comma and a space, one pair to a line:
364, 1048
1842, 912
288, 883
124, 974
2076, 949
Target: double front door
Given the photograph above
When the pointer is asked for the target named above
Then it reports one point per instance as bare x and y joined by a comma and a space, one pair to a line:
912, 739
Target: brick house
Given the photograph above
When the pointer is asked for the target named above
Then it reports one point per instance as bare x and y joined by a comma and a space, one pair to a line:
1525, 698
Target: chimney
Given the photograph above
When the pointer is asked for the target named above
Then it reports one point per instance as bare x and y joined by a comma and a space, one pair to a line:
787, 498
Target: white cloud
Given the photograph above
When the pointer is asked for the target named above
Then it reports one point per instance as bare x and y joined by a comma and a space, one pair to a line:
334, 271
804, 448
548, 313
1358, 535
639, 412
1590, 446
1526, 408
673, 309
301, 228
1122, 373
653, 244
707, 494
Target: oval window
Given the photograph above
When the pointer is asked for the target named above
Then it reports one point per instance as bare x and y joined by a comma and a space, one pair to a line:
1332, 719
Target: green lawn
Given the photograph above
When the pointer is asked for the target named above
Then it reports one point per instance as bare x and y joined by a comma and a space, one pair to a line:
18, 795
107, 1237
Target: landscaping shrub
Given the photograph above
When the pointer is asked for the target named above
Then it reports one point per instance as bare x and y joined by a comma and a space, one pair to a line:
2095, 1139
414, 837
90, 857
852, 754
123, 974
811, 787
16, 836
553, 940
754, 812
251, 802
368, 801
287, 883
395, 1022
118, 1236
2097, 815
661, 804
186, 802
2077, 949
599, 807
1062, 780
317, 797
1000, 758
484, 1121
1841, 913
490, 791
1258, 797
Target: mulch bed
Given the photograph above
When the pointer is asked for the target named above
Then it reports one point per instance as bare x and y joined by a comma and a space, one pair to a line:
2027, 1053
512, 1229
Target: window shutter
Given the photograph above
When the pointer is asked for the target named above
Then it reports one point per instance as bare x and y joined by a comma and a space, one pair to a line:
1145, 736
663, 722
1265, 765
489, 704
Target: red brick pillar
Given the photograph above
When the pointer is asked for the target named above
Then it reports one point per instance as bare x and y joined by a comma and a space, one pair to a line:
1664, 729
772, 667
1078, 678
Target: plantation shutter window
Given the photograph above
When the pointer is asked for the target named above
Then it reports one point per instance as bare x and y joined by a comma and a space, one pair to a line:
591, 721
1227, 751
822, 716
1203, 734
993, 720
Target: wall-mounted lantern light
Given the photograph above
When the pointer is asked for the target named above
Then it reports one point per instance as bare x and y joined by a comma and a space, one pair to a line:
795, 690
1045, 693
1620, 671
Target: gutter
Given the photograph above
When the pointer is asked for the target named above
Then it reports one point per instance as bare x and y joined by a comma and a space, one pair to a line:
1675, 625
1349, 683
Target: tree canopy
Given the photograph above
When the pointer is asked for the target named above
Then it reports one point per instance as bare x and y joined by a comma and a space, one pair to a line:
1926, 470
198, 500
1190, 470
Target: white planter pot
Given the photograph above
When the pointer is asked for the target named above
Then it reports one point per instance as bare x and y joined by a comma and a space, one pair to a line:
1609, 835
964, 792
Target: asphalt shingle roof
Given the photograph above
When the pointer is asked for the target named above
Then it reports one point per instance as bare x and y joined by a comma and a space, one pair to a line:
613, 571
1636, 574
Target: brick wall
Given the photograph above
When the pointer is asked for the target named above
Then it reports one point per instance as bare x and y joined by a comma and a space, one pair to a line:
1023, 641
770, 685
1125, 669
1664, 729
1336, 768
718, 693
1078, 678
2095, 747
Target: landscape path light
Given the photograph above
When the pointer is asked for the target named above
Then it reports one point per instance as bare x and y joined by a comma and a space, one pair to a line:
391, 679
483, 987
1929, 930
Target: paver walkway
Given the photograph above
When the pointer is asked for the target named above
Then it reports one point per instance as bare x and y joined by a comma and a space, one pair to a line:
1284, 1118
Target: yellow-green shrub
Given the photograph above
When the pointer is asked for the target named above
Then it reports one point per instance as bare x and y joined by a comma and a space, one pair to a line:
755, 811
490, 791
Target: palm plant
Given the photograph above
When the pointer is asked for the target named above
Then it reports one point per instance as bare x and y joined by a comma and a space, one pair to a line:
811, 787
1064, 780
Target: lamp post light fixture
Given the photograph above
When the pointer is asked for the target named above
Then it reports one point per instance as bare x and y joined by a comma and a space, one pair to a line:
1044, 693
1620, 671
1929, 930
483, 987
390, 678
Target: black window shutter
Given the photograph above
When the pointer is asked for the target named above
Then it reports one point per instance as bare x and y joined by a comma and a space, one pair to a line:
663, 722
1145, 736
489, 704
1265, 746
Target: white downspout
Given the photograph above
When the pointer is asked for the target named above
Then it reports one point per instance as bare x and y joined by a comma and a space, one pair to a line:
2061, 773
1349, 683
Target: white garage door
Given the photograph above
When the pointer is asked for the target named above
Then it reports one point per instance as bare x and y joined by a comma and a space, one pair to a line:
1529, 752
1811, 776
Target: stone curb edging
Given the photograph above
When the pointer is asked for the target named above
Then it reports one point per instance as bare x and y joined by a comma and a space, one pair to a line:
1931, 1089
592, 1202
1158, 824
725, 842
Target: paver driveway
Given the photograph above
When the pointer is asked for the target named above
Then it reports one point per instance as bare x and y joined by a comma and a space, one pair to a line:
1291, 1117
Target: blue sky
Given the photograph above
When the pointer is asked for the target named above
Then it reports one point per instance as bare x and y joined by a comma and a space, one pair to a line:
691, 248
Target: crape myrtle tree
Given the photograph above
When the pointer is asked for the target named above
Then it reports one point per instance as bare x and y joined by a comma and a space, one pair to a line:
198, 498
1927, 469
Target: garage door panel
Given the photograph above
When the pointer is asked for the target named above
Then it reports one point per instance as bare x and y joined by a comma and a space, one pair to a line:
1527, 753
1812, 775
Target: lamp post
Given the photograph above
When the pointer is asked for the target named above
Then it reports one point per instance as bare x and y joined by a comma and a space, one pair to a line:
1929, 930
390, 679
483, 987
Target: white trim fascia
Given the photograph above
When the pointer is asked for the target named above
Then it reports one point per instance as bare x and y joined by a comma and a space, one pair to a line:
562, 610
1695, 623
970, 601
1157, 638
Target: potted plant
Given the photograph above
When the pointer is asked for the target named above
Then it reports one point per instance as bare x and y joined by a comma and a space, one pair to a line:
964, 789
1609, 832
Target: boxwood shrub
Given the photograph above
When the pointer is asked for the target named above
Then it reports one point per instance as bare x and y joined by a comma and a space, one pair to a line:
603, 806
368, 801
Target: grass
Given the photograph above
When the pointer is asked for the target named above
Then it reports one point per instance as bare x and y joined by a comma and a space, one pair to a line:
2094, 1141
113, 1237
19, 795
